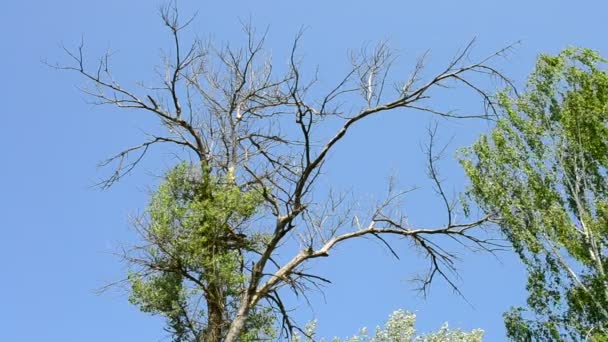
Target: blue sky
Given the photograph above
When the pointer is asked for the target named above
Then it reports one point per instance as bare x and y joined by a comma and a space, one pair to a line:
58, 233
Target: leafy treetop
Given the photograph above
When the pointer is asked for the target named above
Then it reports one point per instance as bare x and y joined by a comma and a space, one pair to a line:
542, 173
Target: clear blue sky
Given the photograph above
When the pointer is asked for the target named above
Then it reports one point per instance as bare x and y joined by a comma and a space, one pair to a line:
58, 232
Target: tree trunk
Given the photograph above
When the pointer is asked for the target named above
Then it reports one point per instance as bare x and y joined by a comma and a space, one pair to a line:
215, 296
215, 314
238, 324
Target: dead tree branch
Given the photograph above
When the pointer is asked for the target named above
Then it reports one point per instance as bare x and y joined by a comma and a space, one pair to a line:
240, 117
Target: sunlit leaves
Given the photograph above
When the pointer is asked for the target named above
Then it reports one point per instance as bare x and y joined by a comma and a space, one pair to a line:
542, 173
196, 235
400, 327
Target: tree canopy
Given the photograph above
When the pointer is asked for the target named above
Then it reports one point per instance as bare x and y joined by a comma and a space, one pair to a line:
194, 245
542, 174
400, 327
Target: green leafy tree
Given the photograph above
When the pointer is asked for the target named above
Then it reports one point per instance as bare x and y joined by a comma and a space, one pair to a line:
194, 249
400, 327
542, 173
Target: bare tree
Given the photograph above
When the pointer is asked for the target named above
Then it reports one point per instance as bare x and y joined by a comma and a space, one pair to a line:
230, 110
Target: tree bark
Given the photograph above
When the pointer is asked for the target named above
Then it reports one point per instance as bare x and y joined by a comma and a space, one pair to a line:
238, 324
215, 313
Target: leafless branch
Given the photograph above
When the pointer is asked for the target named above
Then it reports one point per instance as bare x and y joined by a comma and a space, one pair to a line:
241, 117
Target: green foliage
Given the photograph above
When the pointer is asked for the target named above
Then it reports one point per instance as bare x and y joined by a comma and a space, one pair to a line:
542, 172
400, 327
196, 242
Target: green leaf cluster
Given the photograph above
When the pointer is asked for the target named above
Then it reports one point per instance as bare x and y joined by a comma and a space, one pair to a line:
400, 327
196, 242
542, 173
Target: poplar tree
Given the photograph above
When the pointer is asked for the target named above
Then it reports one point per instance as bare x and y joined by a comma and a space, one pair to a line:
542, 174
